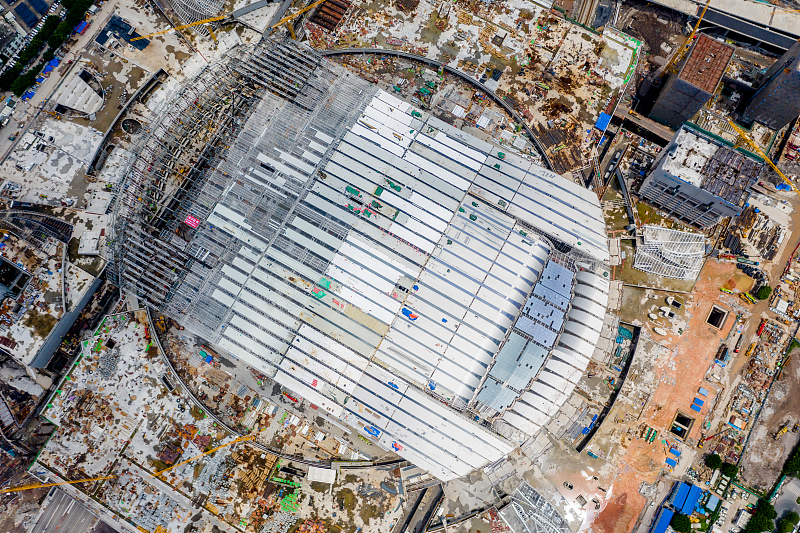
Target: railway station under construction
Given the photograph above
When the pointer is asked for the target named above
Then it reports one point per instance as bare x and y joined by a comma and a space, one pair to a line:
439, 294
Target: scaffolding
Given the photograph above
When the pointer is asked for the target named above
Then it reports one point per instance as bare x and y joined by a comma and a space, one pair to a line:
197, 161
670, 253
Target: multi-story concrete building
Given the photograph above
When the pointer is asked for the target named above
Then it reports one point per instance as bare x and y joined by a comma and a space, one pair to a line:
701, 178
777, 100
685, 93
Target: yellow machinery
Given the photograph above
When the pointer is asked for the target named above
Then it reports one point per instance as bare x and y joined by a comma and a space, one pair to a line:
287, 20
42, 485
204, 21
212, 450
747, 140
681, 53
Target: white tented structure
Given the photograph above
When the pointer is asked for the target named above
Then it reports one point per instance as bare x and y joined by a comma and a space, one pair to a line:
670, 253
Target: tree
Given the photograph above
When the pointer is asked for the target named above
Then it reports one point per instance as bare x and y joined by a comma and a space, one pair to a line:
763, 292
681, 523
793, 517
713, 461
729, 469
785, 526
763, 518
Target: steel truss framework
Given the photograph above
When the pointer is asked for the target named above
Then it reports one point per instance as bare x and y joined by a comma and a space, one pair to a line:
36, 228
670, 253
530, 512
182, 150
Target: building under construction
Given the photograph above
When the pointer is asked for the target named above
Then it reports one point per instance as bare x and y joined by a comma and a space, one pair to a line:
437, 293
686, 92
701, 178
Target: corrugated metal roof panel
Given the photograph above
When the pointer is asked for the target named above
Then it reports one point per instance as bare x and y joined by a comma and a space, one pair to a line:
250, 359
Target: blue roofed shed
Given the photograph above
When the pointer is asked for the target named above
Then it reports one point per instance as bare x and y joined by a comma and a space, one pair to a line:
680, 495
603, 121
712, 503
691, 500
665, 516
671, 462
675, 451
695, 407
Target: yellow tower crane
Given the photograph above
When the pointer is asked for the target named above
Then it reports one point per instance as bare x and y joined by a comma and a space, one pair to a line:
681, 53
42, 485
204, 21
745, 139
212, 450
287, 20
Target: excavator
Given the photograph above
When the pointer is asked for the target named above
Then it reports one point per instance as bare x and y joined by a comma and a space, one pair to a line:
705, 439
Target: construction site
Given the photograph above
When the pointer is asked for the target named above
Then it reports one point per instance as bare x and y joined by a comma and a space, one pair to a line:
264, 206
151, 455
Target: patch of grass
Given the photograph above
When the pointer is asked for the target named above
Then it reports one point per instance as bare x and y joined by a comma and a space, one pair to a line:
369, 511
351, 478
198, 469
197, 413
319, 486
347, 499
41, 324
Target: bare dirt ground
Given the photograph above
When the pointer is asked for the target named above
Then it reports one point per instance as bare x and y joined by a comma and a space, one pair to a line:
680, 375
765, 455
653, 25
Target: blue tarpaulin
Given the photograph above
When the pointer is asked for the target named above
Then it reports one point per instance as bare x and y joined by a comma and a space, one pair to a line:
39, 79
47, 69
698, 401
80, 28
603, 121
671, 462
695, 408
702, 392
28, 95
209, 359
54, 62
675, 451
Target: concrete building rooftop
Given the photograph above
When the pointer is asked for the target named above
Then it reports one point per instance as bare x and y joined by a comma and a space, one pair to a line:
706, 63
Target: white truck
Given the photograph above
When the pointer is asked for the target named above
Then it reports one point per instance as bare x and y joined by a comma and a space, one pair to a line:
5, 114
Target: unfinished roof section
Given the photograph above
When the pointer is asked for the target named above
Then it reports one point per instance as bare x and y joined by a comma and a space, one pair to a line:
706, 161
706, 63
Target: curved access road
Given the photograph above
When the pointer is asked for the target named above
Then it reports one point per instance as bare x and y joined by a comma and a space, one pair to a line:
464, 76
175, 376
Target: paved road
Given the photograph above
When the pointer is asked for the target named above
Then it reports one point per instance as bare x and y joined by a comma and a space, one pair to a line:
650, 125
64, 515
